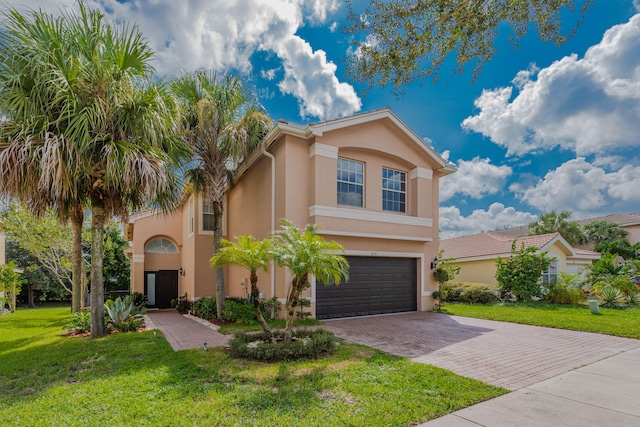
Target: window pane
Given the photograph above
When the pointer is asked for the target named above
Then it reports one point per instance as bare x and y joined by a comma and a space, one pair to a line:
393, 190
350, 186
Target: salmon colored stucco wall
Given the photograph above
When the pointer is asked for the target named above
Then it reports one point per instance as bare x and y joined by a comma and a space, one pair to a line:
305, 192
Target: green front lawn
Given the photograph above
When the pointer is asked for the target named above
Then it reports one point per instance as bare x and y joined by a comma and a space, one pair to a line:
137, 379
621, 322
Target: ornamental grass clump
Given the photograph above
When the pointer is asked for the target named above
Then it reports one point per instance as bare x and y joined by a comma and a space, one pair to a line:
567, 290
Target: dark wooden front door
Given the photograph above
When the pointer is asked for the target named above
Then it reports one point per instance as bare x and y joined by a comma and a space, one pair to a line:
161, 287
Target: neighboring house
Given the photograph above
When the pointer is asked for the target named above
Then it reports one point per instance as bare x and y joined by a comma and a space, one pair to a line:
476, 255
368, 182
629, 222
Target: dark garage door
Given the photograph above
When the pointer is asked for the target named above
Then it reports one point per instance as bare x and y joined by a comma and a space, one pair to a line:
375, 286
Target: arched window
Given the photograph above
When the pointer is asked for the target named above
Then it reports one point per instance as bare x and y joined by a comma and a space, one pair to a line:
161, 245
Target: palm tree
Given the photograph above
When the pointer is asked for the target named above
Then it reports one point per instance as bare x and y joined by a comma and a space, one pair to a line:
305, 253
604, 231
82, 109
253, 255
225, 124
552, 222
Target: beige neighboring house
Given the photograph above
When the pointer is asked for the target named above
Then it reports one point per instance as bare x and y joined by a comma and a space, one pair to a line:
368, 181
477, 254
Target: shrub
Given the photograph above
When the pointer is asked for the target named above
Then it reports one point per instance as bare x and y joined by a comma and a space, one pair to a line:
140, 303
567, 290
468, 292
182, 304
520, 273
610, 296
121, 316
205, 307
302, 304
80, 322
270, 308
240, 312
308, 344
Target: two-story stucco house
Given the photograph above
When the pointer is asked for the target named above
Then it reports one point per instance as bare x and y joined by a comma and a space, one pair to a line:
368, 182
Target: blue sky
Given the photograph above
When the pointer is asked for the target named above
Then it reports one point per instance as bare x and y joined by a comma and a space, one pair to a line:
544, 127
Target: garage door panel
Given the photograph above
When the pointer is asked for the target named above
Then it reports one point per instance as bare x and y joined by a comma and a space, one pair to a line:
375, 286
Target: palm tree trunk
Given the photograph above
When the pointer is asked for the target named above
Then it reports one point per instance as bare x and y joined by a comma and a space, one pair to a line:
291, 304
77, 217
217, 245
97, 279
255, 295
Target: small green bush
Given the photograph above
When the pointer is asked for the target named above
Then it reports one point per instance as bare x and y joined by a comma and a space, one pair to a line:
469, 292
308, 344
80, 322
270, 308
205, 307
182, 304
567, 290
240, 312
140, 303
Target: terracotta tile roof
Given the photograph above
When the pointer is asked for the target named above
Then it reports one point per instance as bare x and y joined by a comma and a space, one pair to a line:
621, 219
585, 252
489, 244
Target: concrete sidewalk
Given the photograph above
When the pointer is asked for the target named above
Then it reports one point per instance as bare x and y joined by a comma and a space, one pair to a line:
605, 393
183, 333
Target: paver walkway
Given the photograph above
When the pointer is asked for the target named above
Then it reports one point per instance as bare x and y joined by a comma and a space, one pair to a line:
183, 333
499, 353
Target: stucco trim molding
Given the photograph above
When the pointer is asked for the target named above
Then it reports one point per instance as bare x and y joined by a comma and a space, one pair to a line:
421, 173
138, 258
324, 150
374, 236
363, 215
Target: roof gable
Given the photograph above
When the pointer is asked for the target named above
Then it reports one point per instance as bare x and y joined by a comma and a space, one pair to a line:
318, 129
492, 245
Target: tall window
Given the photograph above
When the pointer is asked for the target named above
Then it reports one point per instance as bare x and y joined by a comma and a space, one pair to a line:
350, 183
208, 218
394, 190
550, 275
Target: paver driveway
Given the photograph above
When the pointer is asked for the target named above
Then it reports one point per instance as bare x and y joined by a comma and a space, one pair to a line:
500, 353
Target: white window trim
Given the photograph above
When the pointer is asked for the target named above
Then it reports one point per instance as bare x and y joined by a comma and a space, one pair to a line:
359, 214
364, 189
406, 186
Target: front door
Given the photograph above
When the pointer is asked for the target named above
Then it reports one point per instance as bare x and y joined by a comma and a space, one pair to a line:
161, 287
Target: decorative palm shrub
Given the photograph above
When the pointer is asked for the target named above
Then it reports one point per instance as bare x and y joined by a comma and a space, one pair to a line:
566, 290
80, 322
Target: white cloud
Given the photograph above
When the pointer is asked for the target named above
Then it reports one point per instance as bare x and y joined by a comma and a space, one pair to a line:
268, 74
475, 178
589, 105
584, 189
636, 4
333, 26
453, 224
224, 34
